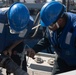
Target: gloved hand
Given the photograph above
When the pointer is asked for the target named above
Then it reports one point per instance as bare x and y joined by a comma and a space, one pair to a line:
31, 53
11, 66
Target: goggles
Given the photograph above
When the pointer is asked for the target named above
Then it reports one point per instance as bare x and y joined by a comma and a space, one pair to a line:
57, 25
13, 31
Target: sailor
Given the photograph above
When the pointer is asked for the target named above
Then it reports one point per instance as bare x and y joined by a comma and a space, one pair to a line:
15, 25
61, 33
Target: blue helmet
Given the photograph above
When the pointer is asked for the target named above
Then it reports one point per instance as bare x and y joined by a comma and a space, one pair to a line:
18, 16
51, 12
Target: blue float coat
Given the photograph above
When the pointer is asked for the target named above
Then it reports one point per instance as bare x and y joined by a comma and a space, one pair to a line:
65, 42
6, 38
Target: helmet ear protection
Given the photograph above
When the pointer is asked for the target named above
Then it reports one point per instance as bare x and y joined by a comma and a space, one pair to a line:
51, 12
18, 16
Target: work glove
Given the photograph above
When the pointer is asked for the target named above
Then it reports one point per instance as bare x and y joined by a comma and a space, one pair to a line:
11, 66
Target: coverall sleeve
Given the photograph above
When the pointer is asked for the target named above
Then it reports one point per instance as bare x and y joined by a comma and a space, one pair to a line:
41, 45
74, 29
3, 16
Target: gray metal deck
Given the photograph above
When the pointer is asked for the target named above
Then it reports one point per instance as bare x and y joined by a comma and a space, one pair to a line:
43, 68
35, 68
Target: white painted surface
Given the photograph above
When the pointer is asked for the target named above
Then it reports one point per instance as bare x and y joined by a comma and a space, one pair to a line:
40, 68
69, 73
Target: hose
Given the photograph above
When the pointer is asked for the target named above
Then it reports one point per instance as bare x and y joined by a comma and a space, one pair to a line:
36, 27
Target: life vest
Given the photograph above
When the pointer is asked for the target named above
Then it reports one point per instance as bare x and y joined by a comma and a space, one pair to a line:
64, 43
6, 38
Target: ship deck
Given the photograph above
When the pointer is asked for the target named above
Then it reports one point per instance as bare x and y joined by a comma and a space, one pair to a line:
44, 68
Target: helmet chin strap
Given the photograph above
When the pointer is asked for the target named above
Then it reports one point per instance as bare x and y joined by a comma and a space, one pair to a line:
57, 25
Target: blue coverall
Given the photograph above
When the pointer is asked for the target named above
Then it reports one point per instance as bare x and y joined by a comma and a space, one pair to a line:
64, 43
7, 39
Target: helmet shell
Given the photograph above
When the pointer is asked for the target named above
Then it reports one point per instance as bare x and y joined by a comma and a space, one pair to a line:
50, 13
18, 16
